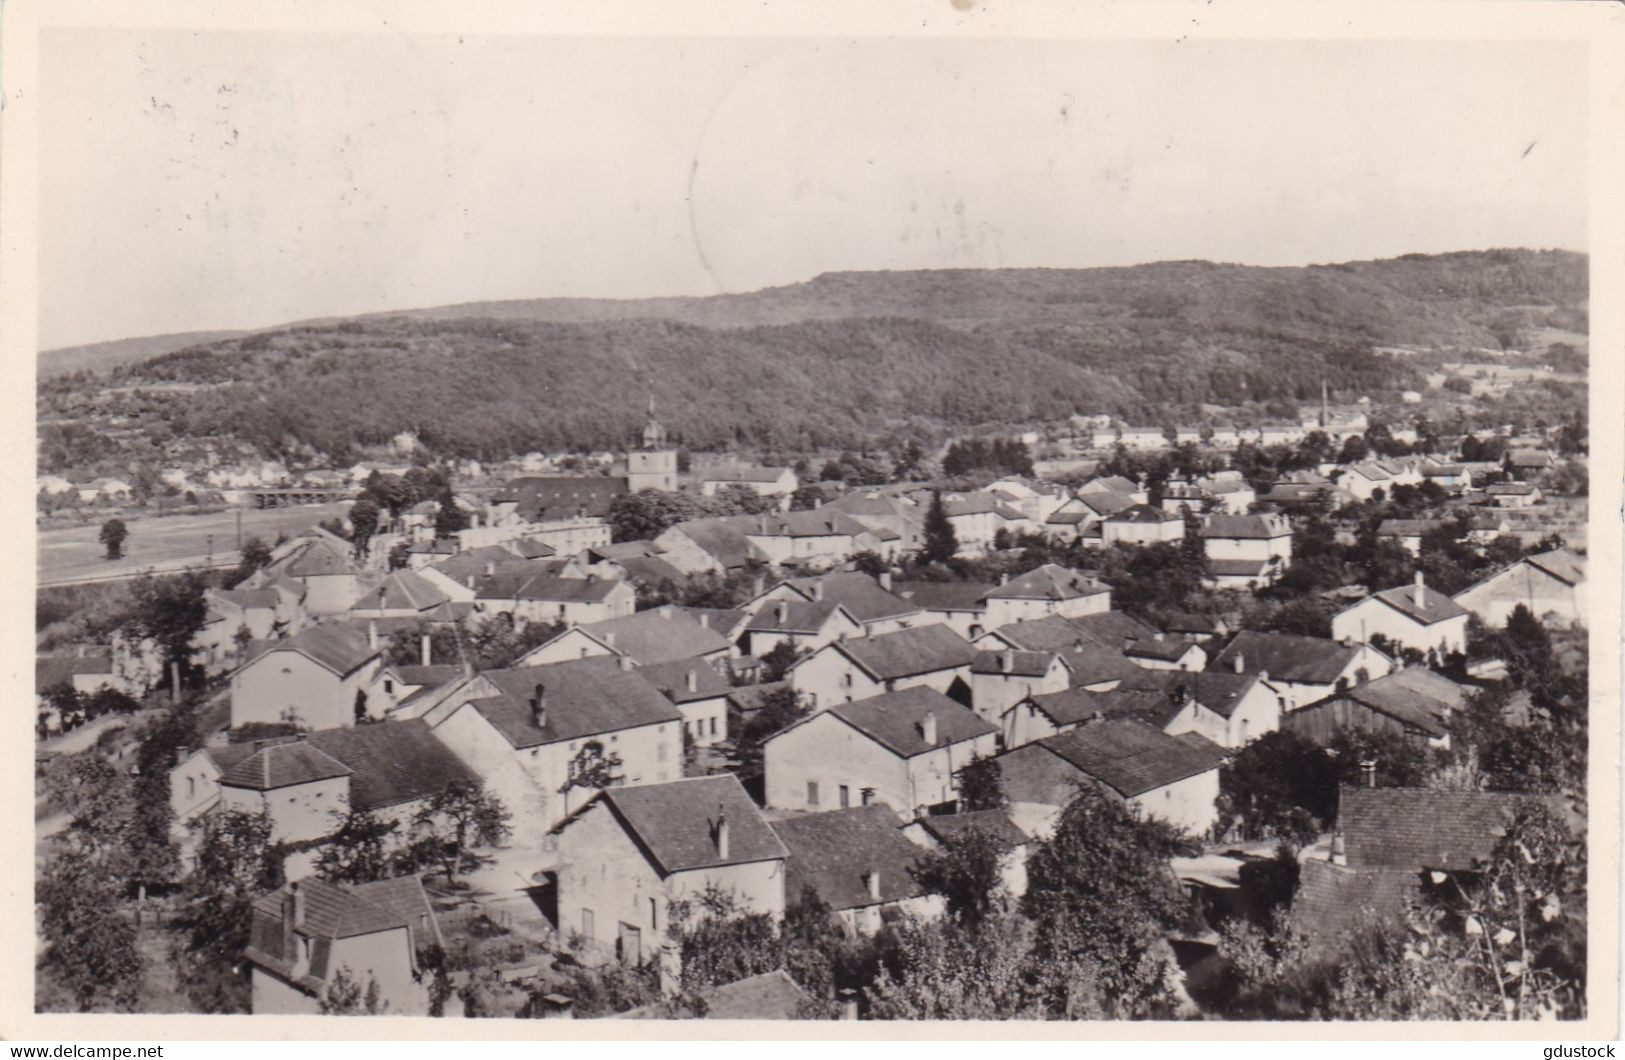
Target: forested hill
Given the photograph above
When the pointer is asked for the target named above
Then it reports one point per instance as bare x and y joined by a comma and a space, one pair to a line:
854, 355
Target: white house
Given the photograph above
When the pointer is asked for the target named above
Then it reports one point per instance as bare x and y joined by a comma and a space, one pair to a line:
1414, 617
1044, 591
321, 678
1142, 525
930, 656
1549, 584
765, 481
901, 748
1245, 551
1303, 669
859, 862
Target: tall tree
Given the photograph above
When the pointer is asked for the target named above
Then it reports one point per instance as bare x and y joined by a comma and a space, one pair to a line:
236, 862
456, 822
113, 535
941, 544
171, 611
90, 941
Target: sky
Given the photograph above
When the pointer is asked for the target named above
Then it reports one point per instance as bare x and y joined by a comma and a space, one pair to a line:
199, 181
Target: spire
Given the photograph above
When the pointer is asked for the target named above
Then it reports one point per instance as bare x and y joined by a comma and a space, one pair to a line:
654, 435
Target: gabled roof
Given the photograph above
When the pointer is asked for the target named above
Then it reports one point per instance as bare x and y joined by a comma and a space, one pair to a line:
1220, 691
530, 548
859, 593
283, 765
997, 823
1077, 705
795, 616
833, 852
672, 678
335, 911
1435, 606
1105, 629
1048, 582
907, 652
724, 620
1184, 622
1108, 484
1509, 489
1013, 663
51, 670
1287, 657
336, 646
812, 522
657, 635
1417, 697
581, 698
675, 824
1416, 828
1235, 568
549, 588
1107, 502
248, 599
1143, 513
1131, 757
896, 720
392, 762
1560, 563
562, 497
402, 590
1245, 527
943, 596
473, 563
739, 473
723, 539
1161, 647
1529, 457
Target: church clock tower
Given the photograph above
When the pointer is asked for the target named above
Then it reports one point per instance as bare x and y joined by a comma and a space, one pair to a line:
653, 464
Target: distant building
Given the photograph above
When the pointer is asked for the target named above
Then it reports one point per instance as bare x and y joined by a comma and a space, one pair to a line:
653, 465
1551, 584
1413, 617
1142, 525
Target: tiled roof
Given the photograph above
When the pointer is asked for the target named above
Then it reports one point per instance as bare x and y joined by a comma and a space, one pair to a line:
403, 590
1160, 647
1129, 756
1509, 489
1287, 657
313, 558
284, 765
1408, 527
1415, 696
1235, 568
473, 563
725, 620
723, 539
530, 548
1076, 705
428, 676
620, 550
1435, 607
833, 852
1012, 662
1107, 502
676, 823
590, 590
392, 762
896, 720
860, 594
1416, 828
651, 570
943, 596
1220, 691
562, 497
1144, 513
1049, 582
793, 616
335, 911
907, 652
337, 646
947, 827
1245, 527
1529, 457
1333, 900
815, 522
1105, 629
1108, 483
1561, 564
50, 670
1182, 622
657, 635
1066, 517
248, 598
672, 678
583, 697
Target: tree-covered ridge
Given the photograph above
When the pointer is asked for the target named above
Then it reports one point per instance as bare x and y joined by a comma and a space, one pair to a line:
859, 356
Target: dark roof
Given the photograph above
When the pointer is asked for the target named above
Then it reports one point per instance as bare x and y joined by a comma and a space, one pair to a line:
561, 497
1220, 691
1235, 568
1417, 828
548, 587
313, 557
768, 996
392, 762
1417, 697
1130, 757
906, 652
1333, 900
1408, 527
747, 699
1529, 457
402, 590
1108, 483
335, 911
672, 679
658, 635
621, 550
1509, 489
1161, 647
1012, 662
860, 594
1107, 502
1143, 513
337, 646
651, 570
1287, 657
1104, 629
947, 827
833, 852
1435, 606
1183, 622
1252, 527
530, 548
582, 697
472, 563
675, 824
793, 616
723, 539
428, 676
50, 670
1049, 582
248, 598
814, 522
284, 765
896, 720
1077, 705
725, 620
943, 596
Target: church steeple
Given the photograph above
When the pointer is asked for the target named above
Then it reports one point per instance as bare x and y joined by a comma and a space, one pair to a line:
654, 435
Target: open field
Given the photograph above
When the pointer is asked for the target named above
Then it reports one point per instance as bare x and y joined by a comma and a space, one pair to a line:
167, 543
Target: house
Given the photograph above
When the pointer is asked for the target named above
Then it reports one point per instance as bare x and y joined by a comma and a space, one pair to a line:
882, 512
403, 594
700, 692
322, 563
1364, 480
1174, 778
536, 499
718, 544
1162, 652
86, 674
1415, 703
1200, 628
303, 935
1304, 669
459, 575
933, 832
805, 625
658, 635
539, 735
1453, 478
767, 996
1114, 484
263, 613
1245, 551
958, 605
1143, 439
764, 481
977, 519
320, 678
1045, 714
926, 656
307, 784
1513, 495
858, 862
1142, 525
1525, 463
813, 539
1408, 533
868, 600
1551, 584
1044, 591
900, 748
1233, 496
1281, 434
1414, 617
1228, 708
1092, 646
1002, 678
549, 598
630, 852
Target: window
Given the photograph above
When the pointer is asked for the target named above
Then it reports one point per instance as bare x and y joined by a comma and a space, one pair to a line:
389, 687
191, 786
846, 679
713, 726
586, 924
812, 793
654, 918
846, 796
868, 795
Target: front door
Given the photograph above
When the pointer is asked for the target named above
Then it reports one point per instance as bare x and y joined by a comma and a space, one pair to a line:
630, 945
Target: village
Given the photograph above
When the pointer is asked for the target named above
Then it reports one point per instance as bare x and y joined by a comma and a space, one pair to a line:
659, 734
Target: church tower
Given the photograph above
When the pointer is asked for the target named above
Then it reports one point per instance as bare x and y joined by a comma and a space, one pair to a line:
653, 464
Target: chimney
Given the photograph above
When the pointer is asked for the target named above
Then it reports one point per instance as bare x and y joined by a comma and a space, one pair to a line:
1158, 636
722, 834
626, 663
928, 728
1368, 770
784, 613
1240, 663
1264, 675
609, 638
705, 620
692, 680
885, 580
818, 591
372, 635
871, 880
1339, 854
490, 568
1007, 661
758, 586
1420, 593
427, 652
538, 706
1004, 578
